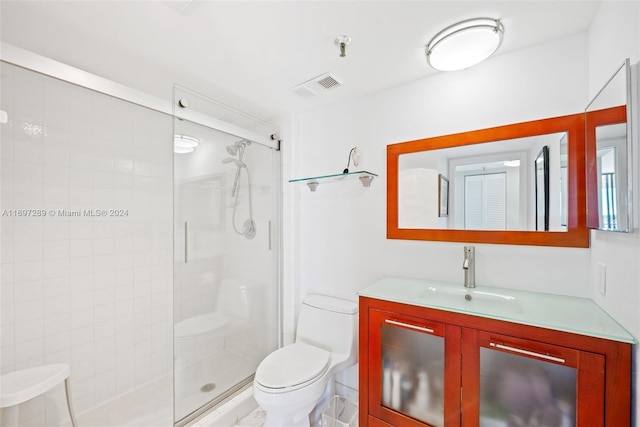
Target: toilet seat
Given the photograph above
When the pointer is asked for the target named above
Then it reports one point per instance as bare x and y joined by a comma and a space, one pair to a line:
292, 367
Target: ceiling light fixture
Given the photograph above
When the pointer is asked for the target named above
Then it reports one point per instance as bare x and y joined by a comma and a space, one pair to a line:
183, 144
464, 44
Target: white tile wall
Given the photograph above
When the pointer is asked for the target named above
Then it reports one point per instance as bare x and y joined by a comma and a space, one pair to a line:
94, 292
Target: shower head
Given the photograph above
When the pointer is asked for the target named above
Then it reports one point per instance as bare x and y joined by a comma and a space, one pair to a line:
237, 146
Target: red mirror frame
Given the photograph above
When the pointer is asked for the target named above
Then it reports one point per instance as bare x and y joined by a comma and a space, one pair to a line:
577, 234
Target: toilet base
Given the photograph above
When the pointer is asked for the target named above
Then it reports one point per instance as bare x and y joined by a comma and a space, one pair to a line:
9, 416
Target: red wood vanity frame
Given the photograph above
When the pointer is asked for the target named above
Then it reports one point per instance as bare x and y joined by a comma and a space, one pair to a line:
605, 366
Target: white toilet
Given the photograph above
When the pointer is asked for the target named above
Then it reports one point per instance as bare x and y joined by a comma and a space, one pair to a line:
290, 381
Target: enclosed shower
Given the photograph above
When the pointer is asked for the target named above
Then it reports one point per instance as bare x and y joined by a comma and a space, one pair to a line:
153, 268
225, 266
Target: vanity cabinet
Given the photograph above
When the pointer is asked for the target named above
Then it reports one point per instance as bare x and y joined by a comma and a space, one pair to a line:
422, 366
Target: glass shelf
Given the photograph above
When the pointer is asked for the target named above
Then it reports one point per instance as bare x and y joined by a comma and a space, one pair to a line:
313, 182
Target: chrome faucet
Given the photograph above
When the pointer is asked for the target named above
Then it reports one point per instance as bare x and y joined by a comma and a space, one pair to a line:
469, 267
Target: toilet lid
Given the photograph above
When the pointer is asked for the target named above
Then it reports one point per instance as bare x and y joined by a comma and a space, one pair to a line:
292, 365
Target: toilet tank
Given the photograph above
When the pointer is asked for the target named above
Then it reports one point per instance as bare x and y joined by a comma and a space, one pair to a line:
328, 322
239, 298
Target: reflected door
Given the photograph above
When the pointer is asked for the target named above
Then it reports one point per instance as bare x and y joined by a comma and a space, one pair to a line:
485, 202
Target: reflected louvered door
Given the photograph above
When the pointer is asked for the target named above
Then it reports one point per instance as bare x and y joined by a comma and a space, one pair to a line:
485, 202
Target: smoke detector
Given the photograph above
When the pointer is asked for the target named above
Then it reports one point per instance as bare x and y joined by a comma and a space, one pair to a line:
317, 85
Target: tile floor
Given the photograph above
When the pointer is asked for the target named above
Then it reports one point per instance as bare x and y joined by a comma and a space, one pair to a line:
254, 419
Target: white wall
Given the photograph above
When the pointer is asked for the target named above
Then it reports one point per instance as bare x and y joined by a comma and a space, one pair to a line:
95, 293
342, 227
613, 36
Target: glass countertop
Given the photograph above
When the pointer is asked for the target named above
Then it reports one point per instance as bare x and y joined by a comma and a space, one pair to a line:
563, 313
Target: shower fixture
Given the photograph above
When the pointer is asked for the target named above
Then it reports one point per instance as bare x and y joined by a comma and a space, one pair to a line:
237, 162
237, 148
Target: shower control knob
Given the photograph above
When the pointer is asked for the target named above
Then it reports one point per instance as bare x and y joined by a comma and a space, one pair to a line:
183, 102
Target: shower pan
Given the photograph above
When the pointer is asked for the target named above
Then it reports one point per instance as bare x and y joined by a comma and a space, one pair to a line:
226, 216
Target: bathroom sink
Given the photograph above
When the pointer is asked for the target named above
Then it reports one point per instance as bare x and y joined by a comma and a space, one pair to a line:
558, 312
445, 291
476, 300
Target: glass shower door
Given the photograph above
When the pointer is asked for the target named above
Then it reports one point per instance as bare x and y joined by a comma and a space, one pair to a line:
225, 264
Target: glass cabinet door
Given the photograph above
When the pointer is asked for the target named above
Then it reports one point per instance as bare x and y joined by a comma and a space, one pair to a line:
411, 369
526, 383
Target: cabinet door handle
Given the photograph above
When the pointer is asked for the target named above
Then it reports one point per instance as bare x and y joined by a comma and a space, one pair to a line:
408, 325
527, 352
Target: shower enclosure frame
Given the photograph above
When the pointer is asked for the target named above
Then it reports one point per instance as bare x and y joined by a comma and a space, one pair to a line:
27, 60
184, 100
31, 61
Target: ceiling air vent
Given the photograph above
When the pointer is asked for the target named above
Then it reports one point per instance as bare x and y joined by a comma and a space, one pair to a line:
316, 85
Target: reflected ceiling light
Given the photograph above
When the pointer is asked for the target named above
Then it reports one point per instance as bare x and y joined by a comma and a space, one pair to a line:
183, 144
464, 44
511, 163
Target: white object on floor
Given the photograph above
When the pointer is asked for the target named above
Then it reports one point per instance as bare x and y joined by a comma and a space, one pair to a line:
19, 386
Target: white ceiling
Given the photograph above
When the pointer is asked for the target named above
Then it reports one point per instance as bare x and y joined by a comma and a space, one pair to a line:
249, 54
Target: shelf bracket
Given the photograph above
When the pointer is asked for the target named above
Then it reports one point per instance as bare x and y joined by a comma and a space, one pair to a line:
366, 180
313, 182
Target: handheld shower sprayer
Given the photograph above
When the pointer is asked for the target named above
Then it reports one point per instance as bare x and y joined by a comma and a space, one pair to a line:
237, 148
240, 165
236, 162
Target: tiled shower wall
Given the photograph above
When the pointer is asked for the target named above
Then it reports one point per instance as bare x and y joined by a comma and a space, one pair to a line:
91, 291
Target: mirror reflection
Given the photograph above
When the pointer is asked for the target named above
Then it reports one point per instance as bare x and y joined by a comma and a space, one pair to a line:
612, 172
515, 184
608, 155
480, 186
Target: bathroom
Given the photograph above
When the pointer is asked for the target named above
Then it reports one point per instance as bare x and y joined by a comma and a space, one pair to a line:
334, 239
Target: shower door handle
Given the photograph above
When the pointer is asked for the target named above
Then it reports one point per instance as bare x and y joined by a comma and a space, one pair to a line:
186, 242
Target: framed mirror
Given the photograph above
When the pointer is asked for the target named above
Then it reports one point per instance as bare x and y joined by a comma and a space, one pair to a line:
608, 151
491, 177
